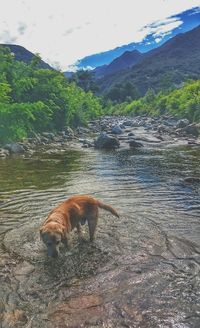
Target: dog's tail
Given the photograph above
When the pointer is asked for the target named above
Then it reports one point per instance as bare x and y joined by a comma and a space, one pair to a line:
107, 208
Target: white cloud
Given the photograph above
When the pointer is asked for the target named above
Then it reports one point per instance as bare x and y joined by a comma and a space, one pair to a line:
158, 40
196, 10
63, 31
161, 28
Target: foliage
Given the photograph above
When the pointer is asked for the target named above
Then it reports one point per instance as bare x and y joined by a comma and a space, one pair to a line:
122, 92
183, 102
33, 99
85, 80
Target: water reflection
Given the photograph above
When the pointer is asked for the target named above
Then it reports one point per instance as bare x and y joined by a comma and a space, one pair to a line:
40, 172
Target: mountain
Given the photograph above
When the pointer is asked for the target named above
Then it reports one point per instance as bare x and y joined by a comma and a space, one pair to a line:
103, 58
127, 59
188, 20
24, 55
169, 65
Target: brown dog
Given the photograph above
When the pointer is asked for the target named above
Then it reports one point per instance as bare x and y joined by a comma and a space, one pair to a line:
69, 215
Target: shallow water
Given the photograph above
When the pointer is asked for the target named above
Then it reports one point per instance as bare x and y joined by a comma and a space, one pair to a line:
142, 270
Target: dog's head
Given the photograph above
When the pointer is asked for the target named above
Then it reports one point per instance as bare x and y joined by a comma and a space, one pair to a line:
52, 235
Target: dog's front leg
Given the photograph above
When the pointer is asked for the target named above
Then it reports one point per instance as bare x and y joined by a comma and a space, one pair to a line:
66, 241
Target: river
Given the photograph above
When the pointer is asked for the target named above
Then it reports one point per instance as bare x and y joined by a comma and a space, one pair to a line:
143, 269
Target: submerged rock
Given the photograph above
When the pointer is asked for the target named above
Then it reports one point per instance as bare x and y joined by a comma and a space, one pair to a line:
135, 144
192, 180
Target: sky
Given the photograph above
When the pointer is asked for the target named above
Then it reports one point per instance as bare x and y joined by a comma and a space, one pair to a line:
64, 31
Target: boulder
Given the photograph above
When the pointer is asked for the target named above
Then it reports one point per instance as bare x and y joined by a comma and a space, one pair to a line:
182, 123
192, 129
116, 130
104, 141
15, 148
4, 153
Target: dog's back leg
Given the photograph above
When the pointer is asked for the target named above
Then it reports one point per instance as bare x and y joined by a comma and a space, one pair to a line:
92, 223
79, 230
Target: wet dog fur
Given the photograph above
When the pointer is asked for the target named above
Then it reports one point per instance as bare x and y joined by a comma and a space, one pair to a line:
71, 214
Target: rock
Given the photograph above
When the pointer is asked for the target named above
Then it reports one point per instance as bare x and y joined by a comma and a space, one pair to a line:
86, 143
193, 129
131, 134
192, 180
14, 318
163, 129
36, 138
44, 140
128, 123
107, 142
104, 126
151, 139
137, 123
69, 131
182, 123
135, 144
116, 130
81, 311
4, 153
122, 126
48, 135
61, 133
82, 130
193, 142
158, 136
148, 127
170, 121
15, 148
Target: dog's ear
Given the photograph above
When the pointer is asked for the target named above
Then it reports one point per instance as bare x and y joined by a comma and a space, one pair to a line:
62, 231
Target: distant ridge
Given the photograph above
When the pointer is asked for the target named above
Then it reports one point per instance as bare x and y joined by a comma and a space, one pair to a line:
127, 59
189, 19
172, 63
24, 55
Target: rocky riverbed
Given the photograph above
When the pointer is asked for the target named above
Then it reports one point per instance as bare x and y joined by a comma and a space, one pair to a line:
113, 132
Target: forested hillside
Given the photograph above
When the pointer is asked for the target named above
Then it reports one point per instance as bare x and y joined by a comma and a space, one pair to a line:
183, 102
34, 100
163, 68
